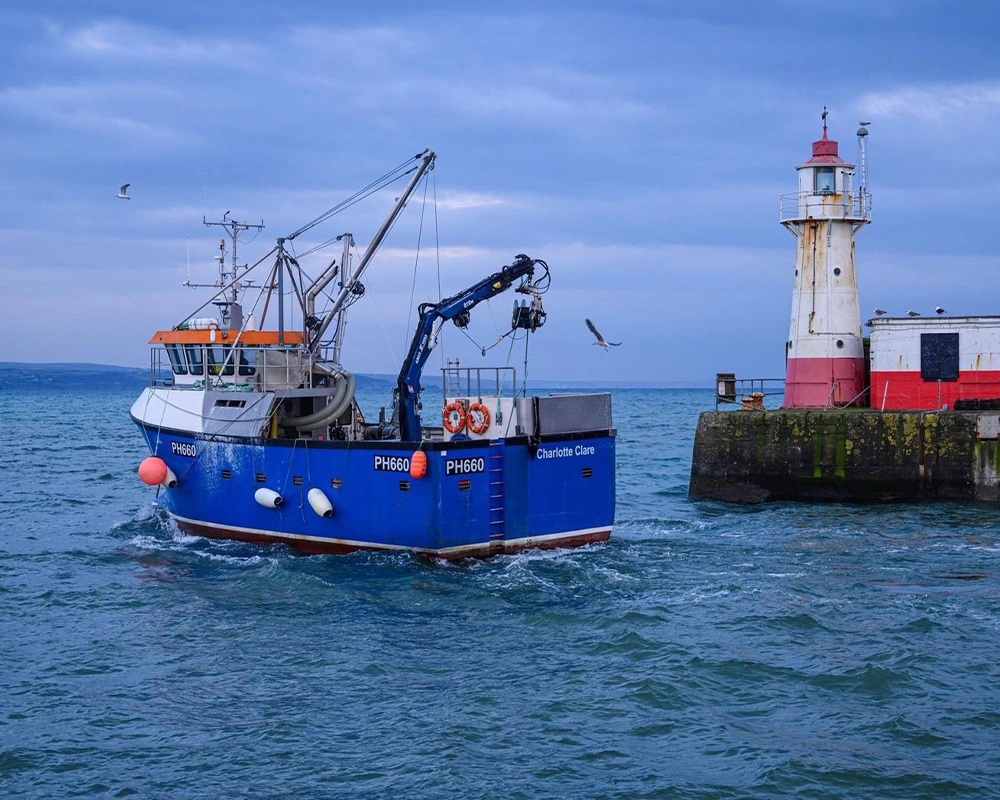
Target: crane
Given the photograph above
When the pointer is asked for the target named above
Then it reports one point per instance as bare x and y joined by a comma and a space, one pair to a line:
457, 308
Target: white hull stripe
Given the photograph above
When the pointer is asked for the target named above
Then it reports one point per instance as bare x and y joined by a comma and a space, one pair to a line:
526, 541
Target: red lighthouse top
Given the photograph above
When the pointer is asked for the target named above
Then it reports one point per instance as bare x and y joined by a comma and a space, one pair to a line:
825, 150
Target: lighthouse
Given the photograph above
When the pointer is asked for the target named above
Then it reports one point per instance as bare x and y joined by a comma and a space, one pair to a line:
926, 421
824, 353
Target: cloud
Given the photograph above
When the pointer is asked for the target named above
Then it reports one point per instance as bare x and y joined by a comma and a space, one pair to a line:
373, 47
450, 253
461, 201
388, 68
97, 108
638, 148
115, 39
528, 96
935, 103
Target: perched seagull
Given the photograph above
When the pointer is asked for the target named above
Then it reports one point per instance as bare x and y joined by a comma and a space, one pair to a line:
939, 310
879, 312
913, 313
600, 339
123, 192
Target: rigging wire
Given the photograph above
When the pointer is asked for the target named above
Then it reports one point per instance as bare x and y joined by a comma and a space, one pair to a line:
385, 332
345, 204
510, 350
351, 299
381, 320
379, 183
291, 261
524, 384
229, 285
416, 262
484, 349
271, 286
437, 252
253, 238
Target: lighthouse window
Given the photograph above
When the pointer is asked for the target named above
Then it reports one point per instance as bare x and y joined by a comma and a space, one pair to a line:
824, 180
939, 356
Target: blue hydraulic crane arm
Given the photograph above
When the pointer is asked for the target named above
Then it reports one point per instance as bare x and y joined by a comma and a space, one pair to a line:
408, 383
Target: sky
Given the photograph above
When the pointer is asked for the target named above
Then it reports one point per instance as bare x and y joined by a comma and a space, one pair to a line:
639, 147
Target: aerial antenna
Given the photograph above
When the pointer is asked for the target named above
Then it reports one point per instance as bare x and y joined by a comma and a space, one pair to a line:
824, 120
228, 279
863, 163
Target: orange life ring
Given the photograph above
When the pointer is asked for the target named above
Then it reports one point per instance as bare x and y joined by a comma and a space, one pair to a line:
454, 417
478, 411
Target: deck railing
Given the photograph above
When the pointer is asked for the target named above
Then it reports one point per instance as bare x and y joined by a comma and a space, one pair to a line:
239, 369
476, 381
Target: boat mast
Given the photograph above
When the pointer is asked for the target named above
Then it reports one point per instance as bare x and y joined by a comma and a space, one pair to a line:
230, 301
338, 337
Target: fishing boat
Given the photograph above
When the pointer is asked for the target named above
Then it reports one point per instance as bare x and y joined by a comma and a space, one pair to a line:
255, 432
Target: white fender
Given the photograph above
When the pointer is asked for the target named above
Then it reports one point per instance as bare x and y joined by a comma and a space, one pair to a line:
320, 503
267, 498
170, 481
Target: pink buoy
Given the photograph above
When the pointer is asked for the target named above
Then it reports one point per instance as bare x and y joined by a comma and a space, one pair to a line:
153, 471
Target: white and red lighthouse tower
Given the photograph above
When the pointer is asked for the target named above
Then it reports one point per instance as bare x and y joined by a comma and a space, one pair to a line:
825, 349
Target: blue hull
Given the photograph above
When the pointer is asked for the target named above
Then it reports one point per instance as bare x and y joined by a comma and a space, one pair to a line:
478, 498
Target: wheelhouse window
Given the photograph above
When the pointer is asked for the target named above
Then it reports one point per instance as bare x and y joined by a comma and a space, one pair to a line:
177, 362
825, 180
248, 361
220, 360
195, 358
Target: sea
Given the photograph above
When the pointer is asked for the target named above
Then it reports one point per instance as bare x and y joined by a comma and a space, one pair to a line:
705, 651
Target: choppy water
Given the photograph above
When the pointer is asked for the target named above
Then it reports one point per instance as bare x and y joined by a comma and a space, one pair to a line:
705, 651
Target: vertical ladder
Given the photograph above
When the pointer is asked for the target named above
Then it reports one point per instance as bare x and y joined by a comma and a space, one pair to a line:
452, 379
494, 471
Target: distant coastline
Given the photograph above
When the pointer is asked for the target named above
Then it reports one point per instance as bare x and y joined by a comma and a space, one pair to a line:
26, 375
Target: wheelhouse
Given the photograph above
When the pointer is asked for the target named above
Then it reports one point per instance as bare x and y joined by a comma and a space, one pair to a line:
224, 358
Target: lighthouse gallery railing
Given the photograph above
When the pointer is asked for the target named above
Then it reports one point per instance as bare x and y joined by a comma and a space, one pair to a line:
802, 205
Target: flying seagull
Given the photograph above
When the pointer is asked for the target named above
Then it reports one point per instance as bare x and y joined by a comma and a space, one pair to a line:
879, 312
939, 310
912, 313
600, 339
123, 192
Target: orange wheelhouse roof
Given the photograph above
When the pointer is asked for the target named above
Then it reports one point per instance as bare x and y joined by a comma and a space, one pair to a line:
249, 338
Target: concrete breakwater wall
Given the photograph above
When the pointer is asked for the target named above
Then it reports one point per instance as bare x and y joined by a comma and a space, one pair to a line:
846, 455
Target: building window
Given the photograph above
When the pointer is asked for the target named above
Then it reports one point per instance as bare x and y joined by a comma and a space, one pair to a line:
824, 179
939, 356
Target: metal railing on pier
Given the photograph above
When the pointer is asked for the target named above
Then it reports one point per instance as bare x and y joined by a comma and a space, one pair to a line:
750, 394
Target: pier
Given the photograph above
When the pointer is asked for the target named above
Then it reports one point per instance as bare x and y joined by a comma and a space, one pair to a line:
846, 455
